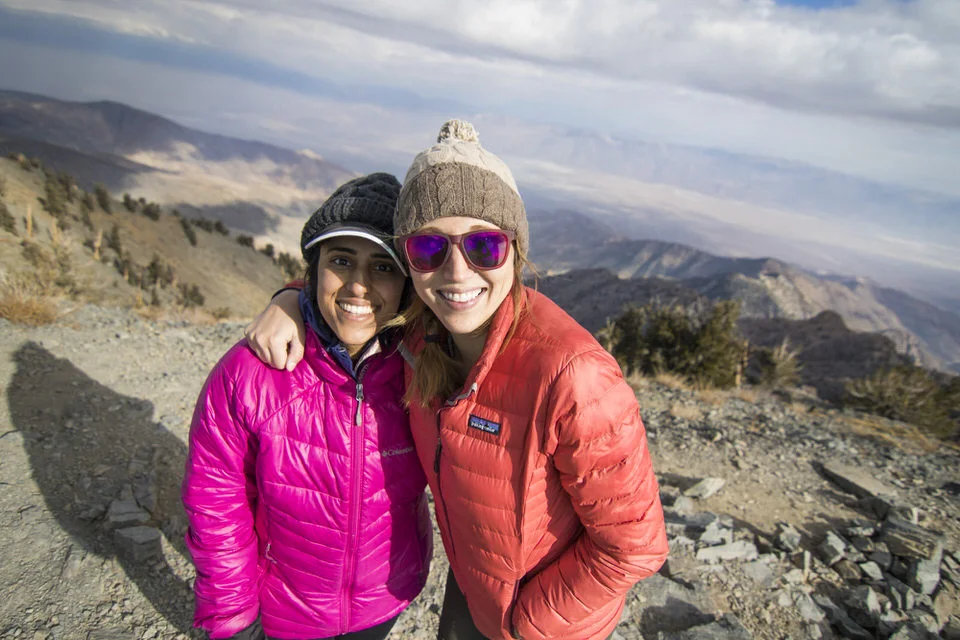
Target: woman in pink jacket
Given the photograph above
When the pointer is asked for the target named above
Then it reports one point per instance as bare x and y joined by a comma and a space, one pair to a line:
303, 491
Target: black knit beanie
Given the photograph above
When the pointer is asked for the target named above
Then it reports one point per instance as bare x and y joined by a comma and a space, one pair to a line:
365, 204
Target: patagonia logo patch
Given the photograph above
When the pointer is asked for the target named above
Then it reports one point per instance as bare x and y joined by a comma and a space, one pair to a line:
484, 425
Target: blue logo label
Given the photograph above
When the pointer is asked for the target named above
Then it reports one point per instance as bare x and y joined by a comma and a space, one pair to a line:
484, 425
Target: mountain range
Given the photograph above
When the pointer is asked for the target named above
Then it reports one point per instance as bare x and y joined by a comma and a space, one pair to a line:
567, 241
253, 187
267, 191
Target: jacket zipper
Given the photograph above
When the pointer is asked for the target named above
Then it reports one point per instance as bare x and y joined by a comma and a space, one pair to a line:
356, 460
436, 459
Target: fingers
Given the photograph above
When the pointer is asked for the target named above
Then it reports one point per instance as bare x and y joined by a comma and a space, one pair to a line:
294, 355
277, 335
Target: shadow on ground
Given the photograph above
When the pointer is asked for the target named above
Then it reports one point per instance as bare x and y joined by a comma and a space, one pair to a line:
88, 446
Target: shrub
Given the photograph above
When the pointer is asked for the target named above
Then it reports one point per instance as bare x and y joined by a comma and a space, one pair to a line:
69, 185
221, 228
220, 313
702, 346
269, 251
46, 269
779, 367
203, 223
55, 200
129, 203
103, 197
7, 221
3, 187
22, 301
245, 241
188, 231
190, 296
152, 210
909, 394
113, 240
291, 266
158, 272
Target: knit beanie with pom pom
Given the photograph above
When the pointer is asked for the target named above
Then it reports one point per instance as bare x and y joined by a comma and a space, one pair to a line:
363, 208
458, 177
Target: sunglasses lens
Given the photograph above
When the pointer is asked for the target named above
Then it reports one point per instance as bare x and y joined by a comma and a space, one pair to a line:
486, 249
426, 252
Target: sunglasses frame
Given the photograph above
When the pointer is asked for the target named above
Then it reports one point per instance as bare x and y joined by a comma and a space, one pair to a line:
456, 240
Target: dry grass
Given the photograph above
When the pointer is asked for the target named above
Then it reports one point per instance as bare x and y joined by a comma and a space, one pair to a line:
711, 396
672, 381
686, 412
22, 301
747, 394
638, 381
904, 436
194, 315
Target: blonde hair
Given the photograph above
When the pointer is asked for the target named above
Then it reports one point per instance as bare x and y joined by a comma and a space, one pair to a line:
435, 373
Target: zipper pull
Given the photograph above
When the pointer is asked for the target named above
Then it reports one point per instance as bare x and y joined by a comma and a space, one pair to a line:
357, 421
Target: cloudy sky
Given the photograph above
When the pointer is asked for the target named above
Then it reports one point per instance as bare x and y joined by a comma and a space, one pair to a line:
868, 88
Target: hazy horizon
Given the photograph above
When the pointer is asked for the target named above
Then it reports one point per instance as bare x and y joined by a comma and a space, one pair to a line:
817, 126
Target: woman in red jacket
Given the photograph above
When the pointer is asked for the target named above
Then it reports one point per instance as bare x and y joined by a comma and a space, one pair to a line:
531, 441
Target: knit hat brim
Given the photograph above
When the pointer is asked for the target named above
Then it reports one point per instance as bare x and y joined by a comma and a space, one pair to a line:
381, 240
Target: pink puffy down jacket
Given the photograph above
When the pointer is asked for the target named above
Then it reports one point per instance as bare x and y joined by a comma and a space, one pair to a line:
305, 497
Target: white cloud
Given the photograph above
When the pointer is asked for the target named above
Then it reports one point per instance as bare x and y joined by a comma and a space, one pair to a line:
872, 89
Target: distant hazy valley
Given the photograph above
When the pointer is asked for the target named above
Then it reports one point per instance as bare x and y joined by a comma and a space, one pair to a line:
590, 268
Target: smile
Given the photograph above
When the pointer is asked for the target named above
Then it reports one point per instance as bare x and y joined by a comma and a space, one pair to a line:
460, 296
357, 310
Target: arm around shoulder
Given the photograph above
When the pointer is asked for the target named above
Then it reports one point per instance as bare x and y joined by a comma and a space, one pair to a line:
599, 448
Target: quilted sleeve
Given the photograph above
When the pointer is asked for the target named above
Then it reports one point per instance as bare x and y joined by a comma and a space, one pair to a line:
219, 494
599, 448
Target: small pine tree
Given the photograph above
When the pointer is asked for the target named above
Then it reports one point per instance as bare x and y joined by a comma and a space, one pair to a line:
152, 210
245, 241
113, 240
188, 231
190, 296
129, 203
269, 251
702, 346
291, 266
7, 221
221, 228
69, 185
55, 200
103, 197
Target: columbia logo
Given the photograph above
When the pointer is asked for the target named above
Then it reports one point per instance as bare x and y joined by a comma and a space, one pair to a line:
396, 452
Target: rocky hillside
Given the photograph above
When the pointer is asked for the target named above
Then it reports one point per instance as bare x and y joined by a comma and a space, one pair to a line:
258, 188
124, 257
786, 519
767, 288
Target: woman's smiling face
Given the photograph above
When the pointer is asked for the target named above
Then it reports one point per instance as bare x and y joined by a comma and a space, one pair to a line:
359, 288
464, 299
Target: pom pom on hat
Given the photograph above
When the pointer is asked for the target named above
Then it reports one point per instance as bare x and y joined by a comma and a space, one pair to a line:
458, 130
458, 177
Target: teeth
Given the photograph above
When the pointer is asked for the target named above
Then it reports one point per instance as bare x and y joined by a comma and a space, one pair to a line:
355, 309
465, 296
